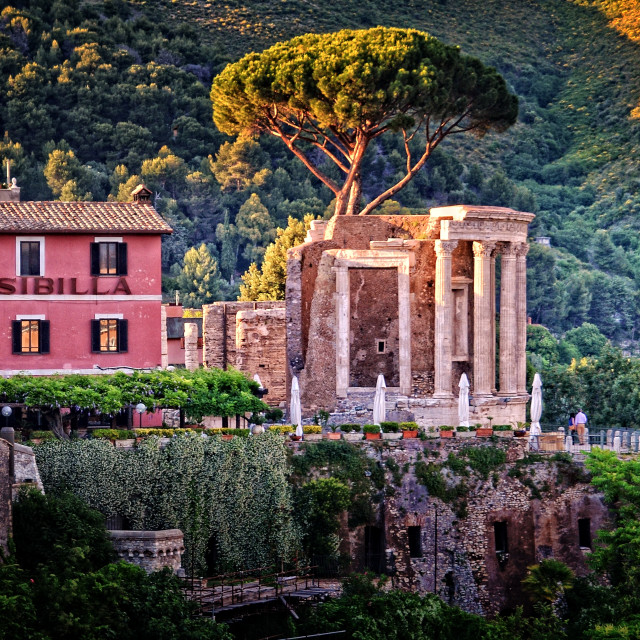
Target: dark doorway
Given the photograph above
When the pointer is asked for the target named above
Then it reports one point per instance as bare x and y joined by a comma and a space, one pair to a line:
415, 542
500, 533
374, 549
584, 532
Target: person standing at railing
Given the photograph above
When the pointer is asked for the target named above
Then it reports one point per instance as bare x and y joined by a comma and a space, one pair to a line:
572, 428
581, 425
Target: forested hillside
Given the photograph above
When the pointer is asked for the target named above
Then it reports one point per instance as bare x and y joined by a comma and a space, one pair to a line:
97, 96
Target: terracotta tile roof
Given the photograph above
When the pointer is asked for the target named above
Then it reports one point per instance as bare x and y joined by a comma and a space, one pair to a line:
81, 217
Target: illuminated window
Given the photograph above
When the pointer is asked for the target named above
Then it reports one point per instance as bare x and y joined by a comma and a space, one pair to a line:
31, 336
109, 335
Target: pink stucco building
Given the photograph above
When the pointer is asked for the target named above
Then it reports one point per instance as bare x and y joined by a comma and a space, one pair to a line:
80, 285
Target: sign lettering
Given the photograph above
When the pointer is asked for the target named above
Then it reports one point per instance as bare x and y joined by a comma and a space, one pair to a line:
47, 286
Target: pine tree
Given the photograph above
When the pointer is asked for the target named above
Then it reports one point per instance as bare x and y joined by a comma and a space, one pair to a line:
199, 282
268, 283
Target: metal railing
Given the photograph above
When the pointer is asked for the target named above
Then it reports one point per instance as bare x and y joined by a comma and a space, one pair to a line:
247, 586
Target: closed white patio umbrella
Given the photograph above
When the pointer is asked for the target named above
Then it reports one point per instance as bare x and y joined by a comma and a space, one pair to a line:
536, 408
379, 409
295, 409
463, 401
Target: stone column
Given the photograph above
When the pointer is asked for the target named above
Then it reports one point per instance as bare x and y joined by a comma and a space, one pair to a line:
492, 359
191, 346
508, 323
444, 319
521, 318
404, 327
342, 330
483, 336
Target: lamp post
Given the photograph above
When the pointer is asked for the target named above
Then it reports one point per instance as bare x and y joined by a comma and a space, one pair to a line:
6, 412
141, 408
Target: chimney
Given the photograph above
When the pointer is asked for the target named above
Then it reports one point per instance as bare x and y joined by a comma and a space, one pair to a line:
141, 194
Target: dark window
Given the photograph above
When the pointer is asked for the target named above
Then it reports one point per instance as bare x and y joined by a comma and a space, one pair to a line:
109, 335
500, 532
584, 532
31, 336
30, 258
381, 346
415, 542
108, 259
374, 549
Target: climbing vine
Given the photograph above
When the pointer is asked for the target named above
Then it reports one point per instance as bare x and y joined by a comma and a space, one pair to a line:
236, 493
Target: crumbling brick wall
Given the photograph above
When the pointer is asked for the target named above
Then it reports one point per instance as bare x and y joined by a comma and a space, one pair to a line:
5, 495
260, 349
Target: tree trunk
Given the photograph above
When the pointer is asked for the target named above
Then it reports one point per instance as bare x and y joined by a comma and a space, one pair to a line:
54, 421
353, 207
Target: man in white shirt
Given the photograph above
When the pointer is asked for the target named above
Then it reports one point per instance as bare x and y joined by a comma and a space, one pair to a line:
581, 424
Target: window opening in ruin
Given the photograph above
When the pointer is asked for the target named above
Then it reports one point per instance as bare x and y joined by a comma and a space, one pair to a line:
584, 532
415, 542
374, 549
501, 542
382, 346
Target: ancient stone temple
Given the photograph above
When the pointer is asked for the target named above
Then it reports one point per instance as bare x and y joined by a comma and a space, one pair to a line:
417, 299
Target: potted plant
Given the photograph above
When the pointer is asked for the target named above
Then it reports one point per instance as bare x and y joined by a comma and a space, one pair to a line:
333, 435
409, 429
351, 431
371, 431
390, 430
483, 432
312, 432
447, 431
503, 430
521, 431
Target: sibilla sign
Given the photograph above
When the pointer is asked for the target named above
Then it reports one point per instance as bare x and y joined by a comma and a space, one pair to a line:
47, 286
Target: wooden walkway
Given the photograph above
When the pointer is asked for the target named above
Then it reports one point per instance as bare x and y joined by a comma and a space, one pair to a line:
244, 590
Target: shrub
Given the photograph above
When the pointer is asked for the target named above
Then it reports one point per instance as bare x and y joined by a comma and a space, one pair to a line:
282, 429
463, 429
241, 433
446, 427
390, 427
371, 428
348, 427
502, 427
113, 434
43, 435
312, 428
408, 426
274, 415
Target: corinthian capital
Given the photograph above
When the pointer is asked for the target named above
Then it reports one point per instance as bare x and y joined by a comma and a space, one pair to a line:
444, 248
522, 248
483, 249
509, 249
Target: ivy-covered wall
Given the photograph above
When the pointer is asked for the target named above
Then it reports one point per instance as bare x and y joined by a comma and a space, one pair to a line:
234, 494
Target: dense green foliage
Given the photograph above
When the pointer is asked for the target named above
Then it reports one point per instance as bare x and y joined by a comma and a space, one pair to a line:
607, 388
62, 583
232, 500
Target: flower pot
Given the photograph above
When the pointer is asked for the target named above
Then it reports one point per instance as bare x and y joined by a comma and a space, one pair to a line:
409, 434
504, 434
312, 437
519, 433
227, 436
295, 438
484, 433
352, 437
334, 436
392, 436
372, 436
465, 434
125, 444
447, 434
